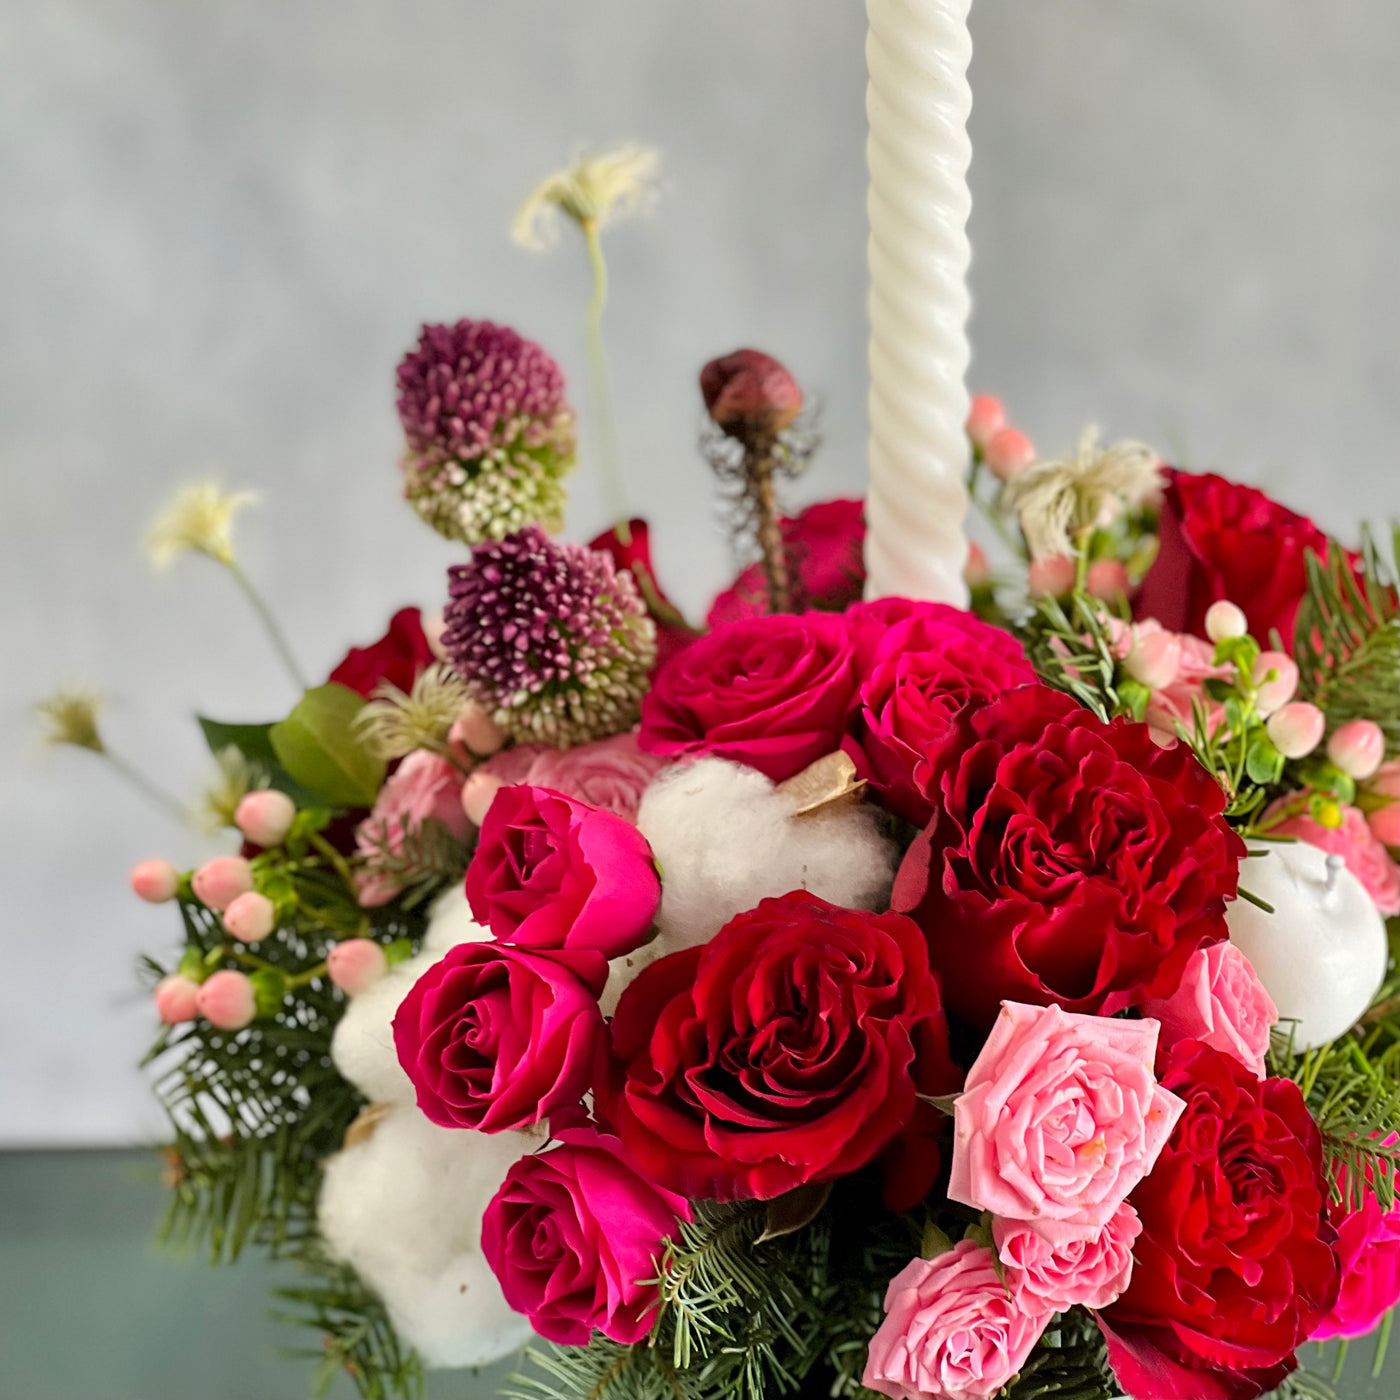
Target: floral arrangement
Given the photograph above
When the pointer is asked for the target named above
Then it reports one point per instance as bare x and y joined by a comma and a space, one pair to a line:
847, 997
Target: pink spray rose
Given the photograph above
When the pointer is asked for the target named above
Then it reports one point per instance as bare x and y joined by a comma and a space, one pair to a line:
610, 773
495, 1037
1356, 843
423, 787
1173, 701
552, 872
1221, 1001
1368, 1249
572, 1233
1047, 1278
1060, 1118
951, 1330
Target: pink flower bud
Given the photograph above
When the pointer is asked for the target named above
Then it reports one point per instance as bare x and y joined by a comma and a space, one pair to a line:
1052, 574
1296, 729
226, 1000
1224, 621
155, 881
356, 964
478, 792
220, 881
985, 419
1107, 579
1155, 659
476, 731
1385, 782
250, 917
1276, 693
265, 817
976, 573
177, 999
1385, 824
750, 395
1008, 453
1357, 748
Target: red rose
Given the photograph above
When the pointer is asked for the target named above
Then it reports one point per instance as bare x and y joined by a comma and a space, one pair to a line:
397, 657
919, 675
553, 872
824, 547
1235, 1265
1216, 540
673, 632
495, 1037
771, 693
790, 1048
1072, 861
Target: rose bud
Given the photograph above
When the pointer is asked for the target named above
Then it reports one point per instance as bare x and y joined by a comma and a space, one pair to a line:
356, 964
1107, 579
1357, 748
265, 817
155, 881
976, 572
1009, 453
177, 999
985, 419
476, 731
1296, 729
227, 1000
478, 792
1052, 574
1273, 694
1225, 621
220, 881
750, 395
1155, 659
250, 917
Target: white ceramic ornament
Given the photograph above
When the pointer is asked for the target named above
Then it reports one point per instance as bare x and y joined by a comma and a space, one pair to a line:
1321, 953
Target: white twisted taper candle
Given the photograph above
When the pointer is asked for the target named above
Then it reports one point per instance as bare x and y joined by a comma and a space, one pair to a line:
917, 102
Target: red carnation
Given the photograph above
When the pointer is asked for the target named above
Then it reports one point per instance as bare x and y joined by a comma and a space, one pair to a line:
1235, 1265
790, 1048
1072, 861
397, 657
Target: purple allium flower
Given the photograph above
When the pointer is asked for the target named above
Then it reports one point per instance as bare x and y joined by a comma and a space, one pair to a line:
551, 638
489, 432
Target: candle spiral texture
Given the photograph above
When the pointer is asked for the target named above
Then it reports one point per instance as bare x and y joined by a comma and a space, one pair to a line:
918, 152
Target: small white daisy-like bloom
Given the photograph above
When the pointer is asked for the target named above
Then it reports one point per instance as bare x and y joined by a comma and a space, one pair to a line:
599, 188
70, 717
235, 779
392, 724
199, 520
1058, 499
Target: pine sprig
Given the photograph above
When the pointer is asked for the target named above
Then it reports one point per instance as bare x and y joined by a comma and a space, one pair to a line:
1069, 1362
420, 861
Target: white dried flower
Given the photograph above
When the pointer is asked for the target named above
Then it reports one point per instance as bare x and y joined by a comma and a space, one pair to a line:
392, 724
70, 717
599, 188
236, 778
199, 520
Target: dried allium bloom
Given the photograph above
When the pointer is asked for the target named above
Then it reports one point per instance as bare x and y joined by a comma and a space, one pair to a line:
550, 638
489, 433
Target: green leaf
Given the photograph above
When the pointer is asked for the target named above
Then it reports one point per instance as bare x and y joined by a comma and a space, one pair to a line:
269, 990
317, 746
254, 742
1263, 762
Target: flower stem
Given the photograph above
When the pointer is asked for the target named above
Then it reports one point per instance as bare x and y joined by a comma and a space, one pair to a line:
337, 861
274, 632
770, 535
600, 390
149, 790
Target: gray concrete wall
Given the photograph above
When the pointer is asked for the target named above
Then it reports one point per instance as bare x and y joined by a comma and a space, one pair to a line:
221, 223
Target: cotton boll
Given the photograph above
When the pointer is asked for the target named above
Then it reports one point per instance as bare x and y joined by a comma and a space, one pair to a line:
403, 1208
363, 1044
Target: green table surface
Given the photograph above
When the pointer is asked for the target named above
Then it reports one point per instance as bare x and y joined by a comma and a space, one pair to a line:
91, 1309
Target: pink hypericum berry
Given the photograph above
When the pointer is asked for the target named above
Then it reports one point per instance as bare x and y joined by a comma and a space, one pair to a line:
976, 572
1107, 579
226, 1000
177, 999
220, 881
1052, 574
1357, 748
1385, 824
1155, 659
250, 917
1008, 453
476, 731
478, 792
265, 817
356, 964
1224, 621
1274, 694
985, 419
1296, 729
155, 881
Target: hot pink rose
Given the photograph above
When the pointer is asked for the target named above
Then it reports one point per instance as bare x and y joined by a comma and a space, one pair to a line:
1368, 1249
422, 788
495, 1037
572, 1234
1047, 1278
1060, 1118
1356, 843
951, 1330
772, 693
611, 773
1221, 1001
552, 872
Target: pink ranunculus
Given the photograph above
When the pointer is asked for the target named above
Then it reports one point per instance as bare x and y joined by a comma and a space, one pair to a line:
1089, 1272
1368, 1249
424, 787
1060, 1118
573, 1234
952, 1331
496, 1037
552, 872
609, 773
1356, 843
1221, 1001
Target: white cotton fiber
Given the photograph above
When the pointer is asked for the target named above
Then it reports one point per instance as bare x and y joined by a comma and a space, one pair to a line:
404, 1209
363, 1044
